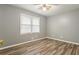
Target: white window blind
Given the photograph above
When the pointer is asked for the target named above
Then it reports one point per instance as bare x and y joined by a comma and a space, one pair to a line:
29, 24
25, 24
35, 24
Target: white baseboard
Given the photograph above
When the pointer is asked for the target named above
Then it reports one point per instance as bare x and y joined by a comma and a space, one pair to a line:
20, 43
63, 40
37, 40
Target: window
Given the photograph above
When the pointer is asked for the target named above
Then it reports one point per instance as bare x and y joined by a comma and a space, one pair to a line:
25, 22
35, 24
29, 24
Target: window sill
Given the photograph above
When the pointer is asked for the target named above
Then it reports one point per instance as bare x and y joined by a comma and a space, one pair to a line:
31, 33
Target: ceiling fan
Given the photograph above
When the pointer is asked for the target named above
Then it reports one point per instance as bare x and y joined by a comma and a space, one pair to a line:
45, 7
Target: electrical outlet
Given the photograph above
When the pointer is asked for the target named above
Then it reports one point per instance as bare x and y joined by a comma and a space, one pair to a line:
61, 37
32, 37
53, 35
36, 36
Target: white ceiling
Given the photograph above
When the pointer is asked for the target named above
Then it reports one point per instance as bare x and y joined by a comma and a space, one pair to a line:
54, 10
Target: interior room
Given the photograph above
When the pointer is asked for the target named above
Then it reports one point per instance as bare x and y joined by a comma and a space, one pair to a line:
39, 29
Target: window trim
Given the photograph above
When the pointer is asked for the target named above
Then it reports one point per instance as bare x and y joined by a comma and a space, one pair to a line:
30, 24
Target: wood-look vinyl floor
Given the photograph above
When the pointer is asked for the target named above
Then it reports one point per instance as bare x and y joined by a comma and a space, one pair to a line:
44, 47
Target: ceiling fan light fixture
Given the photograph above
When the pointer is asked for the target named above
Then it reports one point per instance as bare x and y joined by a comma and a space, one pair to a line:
45, 7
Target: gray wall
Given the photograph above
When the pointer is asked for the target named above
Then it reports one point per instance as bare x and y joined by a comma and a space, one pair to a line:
11, 25
64, 26
1, 24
